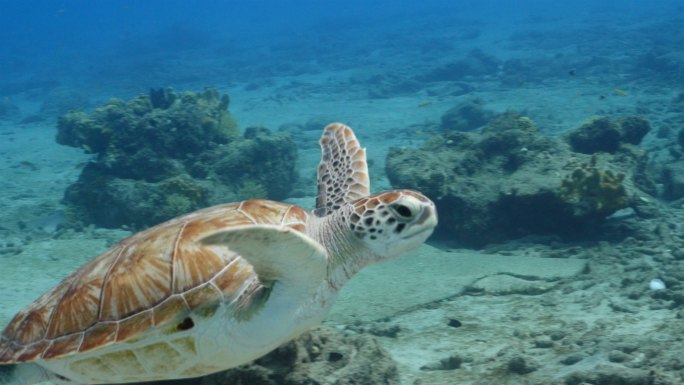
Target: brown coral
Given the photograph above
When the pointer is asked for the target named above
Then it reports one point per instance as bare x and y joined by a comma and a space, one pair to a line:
591, 191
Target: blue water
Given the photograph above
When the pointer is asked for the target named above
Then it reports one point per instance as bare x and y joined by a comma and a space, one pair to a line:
85, 43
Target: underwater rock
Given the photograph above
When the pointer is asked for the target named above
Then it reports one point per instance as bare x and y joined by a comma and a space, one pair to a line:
118, 129
322, 356
666, 164
509, 181
597, 135
449, 363
161, 98
260, 158
466, 116
165, 154
305, 138
612, 374
592, 191
519, 365
673, 180
603, 134
633, 129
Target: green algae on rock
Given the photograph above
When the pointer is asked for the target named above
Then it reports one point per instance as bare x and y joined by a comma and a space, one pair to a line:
466, 116
510, 181
603, 134
163, 154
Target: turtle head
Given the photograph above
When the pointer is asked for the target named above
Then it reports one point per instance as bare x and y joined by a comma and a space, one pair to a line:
394, 222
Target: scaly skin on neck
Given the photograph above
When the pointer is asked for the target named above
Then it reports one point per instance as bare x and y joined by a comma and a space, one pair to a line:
347, 255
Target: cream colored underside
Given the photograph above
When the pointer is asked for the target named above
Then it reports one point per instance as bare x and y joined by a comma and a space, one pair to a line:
213, 344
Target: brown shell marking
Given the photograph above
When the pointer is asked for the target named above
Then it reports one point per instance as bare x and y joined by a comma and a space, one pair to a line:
147, 280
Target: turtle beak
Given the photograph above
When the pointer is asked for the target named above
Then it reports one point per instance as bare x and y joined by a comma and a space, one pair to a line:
425, 222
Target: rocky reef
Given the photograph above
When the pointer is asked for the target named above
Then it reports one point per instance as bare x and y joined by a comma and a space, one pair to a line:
602, 134
592, 191
508, 180
667, 160
322, 356
466, 116
164, 154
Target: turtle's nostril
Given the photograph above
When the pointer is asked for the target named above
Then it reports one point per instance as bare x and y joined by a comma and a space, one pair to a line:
400, 228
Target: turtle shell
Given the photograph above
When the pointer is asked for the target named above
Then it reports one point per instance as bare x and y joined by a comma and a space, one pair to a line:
150, 279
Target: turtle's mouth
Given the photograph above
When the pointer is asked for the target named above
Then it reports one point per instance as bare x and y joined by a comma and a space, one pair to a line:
426, 223
419, 232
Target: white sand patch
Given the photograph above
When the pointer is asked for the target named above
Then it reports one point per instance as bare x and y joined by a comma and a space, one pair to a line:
430, 274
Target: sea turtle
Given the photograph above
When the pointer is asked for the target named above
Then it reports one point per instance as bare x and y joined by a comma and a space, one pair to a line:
218, 287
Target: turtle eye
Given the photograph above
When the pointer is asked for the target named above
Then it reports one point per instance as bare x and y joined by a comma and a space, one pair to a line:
403, 211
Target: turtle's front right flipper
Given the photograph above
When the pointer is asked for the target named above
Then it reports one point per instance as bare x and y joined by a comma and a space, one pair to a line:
279, 255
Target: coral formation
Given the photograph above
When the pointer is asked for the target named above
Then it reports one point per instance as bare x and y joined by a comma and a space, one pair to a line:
466, 116
602, 134
260, 156
598, 134
667, 163
191, 124
164, 154
633, 129
509, 181
591, 191
672, 178
321, 356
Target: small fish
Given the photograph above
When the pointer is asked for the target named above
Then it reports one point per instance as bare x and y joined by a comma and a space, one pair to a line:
621, 92
572, 72
425, 103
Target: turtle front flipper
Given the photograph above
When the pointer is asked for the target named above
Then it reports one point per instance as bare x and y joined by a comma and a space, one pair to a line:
342, 172
285, 260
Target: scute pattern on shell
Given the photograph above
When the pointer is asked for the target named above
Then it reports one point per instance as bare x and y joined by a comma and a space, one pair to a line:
150, 279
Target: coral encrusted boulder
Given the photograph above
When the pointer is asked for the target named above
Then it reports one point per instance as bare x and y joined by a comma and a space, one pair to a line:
509, 181
603, 134
165, 154
323, 356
